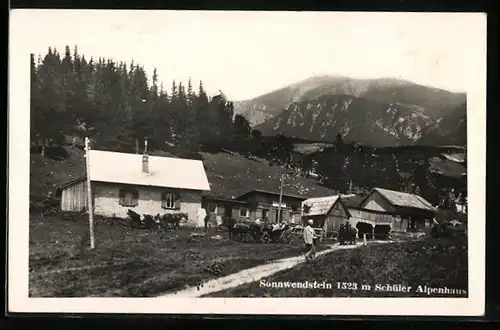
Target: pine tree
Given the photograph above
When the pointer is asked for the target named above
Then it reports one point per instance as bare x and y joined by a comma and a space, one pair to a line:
69, 87
51, 106
192, 128
173, 92
203, 114
181, 113
190, 93
154, 86
241, 128
36, 112
258, 146
338, 140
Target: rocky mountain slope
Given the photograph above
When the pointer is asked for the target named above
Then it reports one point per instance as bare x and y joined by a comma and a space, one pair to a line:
386, 90
367, 122
381, 112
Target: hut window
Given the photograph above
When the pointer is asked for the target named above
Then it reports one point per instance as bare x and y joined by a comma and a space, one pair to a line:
170, 200
129, 197
212, 208
243, 212
265, 213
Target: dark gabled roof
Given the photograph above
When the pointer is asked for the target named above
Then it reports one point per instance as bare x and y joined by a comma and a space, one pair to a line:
270, 193
222, 199
353, 201
454, 157
401, 199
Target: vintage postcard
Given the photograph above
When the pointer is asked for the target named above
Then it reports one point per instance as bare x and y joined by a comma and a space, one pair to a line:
232, 162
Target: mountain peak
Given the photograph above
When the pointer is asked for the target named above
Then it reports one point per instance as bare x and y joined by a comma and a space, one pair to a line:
384, 89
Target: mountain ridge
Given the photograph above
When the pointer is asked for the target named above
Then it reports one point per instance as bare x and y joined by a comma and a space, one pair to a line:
423, 108
268, 105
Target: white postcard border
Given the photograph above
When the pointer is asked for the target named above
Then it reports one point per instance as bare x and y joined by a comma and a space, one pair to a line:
22, 30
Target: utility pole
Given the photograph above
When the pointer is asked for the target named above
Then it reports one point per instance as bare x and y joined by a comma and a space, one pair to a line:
281, 192
89, 194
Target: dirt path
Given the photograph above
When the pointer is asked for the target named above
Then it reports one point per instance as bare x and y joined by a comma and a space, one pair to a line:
253, 274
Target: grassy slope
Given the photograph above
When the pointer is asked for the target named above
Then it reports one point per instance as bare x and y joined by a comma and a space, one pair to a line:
431, 262
46, 174
229, 174
233, 175
129, 262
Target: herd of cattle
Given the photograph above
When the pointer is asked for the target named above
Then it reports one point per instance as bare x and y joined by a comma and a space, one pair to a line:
157, 222
243, 231
266, 232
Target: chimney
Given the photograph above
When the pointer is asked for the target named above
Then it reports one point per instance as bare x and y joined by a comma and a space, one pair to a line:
145, 158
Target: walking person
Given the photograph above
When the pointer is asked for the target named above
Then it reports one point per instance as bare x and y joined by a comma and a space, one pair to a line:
257, 230
275, 232
309, 237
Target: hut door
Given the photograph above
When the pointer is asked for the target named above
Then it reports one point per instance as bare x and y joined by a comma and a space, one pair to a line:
228, 210
277, 215
327, 226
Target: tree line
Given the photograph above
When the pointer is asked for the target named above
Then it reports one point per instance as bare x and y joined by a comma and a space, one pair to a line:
114, 104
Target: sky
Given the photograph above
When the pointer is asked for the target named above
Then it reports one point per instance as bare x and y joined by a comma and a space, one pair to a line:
247, 54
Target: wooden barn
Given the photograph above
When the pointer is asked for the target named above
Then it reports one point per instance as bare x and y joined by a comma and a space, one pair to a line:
403, 211
219, 208
366, 221
326, 212
143, 183
264, 205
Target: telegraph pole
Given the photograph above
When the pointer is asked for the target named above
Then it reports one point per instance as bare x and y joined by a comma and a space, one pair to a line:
281, 192
89, 194
283, 148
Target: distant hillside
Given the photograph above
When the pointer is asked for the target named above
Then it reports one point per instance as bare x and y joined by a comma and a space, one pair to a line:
450, 129
434, 102
229, 174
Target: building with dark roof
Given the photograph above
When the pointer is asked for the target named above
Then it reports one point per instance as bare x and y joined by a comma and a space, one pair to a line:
402, 211
264, 204
378, 212
219, 208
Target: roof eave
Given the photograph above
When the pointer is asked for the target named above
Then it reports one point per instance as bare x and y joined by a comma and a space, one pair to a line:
156, 186
397, 205
434, 210
72, 182
269, 193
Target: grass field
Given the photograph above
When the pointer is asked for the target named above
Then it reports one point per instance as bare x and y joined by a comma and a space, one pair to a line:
130, 262
435, 263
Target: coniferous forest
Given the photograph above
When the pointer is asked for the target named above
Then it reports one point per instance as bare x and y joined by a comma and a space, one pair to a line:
114, 105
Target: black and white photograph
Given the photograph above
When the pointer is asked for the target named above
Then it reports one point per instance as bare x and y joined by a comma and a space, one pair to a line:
184, 156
